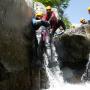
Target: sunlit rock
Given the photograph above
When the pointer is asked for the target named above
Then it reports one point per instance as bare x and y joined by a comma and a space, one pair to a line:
87, 30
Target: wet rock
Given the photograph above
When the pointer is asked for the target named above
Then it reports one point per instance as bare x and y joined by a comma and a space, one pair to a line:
73, 50
86, 75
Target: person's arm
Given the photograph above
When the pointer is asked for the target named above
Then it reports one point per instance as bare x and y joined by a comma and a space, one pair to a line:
61, 23
38, 23
45, 23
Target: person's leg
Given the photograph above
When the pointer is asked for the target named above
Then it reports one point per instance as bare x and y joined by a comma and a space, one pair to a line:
61, 23
53, 24
53, 31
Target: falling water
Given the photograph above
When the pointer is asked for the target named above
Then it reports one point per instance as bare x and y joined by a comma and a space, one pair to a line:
56, 79
57, 82
55, 75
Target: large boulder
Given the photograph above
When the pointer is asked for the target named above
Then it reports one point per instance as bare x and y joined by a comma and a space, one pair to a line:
14, 58
14, 16
73, 50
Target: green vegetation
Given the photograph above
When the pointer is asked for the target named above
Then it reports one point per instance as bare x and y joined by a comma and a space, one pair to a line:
67, 22
52, 3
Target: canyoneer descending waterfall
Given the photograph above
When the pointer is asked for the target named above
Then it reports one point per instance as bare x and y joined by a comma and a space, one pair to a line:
71, 49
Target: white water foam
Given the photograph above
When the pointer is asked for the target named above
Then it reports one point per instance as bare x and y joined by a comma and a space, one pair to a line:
57, 82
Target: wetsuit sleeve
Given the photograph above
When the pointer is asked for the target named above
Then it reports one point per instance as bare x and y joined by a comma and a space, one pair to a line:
45, 23
38, 23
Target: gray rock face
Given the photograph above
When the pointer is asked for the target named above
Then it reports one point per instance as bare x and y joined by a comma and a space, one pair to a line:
14, 59
13, 18
73, 50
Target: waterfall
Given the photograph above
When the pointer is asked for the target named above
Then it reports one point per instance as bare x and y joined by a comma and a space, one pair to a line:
56, 78
57, 82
